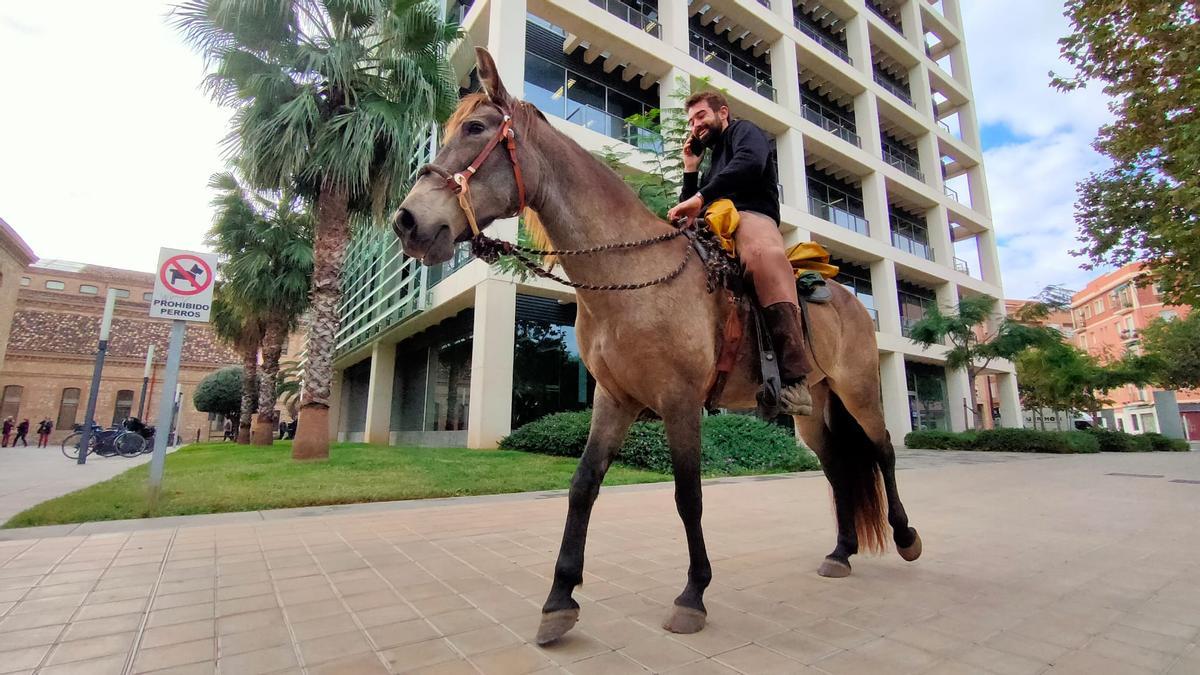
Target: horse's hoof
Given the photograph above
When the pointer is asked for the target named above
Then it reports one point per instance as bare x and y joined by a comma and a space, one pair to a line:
556, 624
685, 620
834, 568
912, 551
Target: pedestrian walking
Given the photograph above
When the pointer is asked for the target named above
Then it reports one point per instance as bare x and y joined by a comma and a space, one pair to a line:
44, 429
22, 429
228, 429
7, 429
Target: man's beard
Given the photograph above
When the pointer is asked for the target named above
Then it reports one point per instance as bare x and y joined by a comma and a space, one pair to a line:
713, 136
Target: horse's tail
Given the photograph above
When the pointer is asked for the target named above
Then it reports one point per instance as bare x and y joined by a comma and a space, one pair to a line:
853, 466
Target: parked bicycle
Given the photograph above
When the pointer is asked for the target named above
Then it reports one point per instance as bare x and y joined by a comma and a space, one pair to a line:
131, 440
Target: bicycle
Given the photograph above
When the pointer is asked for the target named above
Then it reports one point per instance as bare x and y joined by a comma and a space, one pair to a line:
104, 442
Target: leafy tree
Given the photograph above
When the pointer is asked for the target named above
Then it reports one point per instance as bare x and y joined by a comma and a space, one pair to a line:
266, 240
333, 99
220, 392
1146, 207
239, 328
972, 345
1173, 347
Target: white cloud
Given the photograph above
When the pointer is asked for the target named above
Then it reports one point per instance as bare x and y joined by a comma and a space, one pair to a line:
107, 142
1012, 47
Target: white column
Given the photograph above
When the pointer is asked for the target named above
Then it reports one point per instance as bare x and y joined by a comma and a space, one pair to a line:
1010, 400
858, 43
490, 415
989, 257
977, 184
337, 405
914, 31
785, 73
866, 122
894, 383
919, 89
938, 225
887, 297
930, 156
952, 12
790, 148
379, 393
784, 9
673, 17
875, 204
673, 88
957, 382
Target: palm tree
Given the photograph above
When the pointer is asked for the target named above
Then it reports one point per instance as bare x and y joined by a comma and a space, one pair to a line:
333, 97
267, 244
235, 326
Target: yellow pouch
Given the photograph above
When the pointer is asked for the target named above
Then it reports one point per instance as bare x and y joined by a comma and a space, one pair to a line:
807, 256
723, 219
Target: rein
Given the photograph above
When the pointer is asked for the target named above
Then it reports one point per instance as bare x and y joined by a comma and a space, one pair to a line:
489, 250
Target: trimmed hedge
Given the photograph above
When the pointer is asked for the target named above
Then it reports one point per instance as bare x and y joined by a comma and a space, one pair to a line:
730, 444
1033, 440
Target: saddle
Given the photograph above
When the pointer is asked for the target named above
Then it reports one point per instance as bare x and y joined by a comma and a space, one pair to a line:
715, 246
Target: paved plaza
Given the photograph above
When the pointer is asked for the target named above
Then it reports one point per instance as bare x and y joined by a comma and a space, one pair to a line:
1074, 564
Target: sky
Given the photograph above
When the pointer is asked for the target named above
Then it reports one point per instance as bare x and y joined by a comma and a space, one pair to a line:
107, 141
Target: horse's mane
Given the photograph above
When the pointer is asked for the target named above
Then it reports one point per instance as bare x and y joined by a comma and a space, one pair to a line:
467, 106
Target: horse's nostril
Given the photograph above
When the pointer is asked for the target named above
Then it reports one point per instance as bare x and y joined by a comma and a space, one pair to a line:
404, 221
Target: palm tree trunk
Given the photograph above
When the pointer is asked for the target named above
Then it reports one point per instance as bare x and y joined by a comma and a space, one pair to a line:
329, 251
263, 430
249, 399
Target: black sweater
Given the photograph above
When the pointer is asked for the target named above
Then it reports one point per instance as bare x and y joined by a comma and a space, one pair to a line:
742, 170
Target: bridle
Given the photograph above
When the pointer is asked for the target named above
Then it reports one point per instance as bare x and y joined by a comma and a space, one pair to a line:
459, 183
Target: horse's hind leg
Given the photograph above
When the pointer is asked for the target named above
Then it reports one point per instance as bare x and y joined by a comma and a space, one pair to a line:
610, 422
868, 412
817, 436
683, 435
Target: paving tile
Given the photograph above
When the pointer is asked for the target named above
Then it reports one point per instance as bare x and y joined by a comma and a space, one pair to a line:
22, 659
660, 653
324, 627
419, 654
239, 623
511, 660
361, 664
796, 645
391, 613
610, 663
460, 621
259, 661
756, 659
402, 633
319, 650
248, 604
176, 633
79, 630
91, 648
184, 599
167, 656
260, 638
30, 637
108, 665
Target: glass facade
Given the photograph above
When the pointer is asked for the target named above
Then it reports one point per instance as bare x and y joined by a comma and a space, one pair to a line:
548, 374
910, 233
901, 156
828, 115
914, 305
707, 47
831, 35
858, 281
836, 201
927, 404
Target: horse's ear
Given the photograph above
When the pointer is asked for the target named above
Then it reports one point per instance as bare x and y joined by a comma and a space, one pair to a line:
489, 77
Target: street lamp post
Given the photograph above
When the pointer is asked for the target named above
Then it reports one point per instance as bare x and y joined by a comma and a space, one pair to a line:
89, 418
145, 383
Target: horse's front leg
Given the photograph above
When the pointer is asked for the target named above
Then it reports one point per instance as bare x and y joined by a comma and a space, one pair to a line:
610, 422
683, 435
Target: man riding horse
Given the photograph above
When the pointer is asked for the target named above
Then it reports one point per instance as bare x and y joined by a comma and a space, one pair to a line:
743, 171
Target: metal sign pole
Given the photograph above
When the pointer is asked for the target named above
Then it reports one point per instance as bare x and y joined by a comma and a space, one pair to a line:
166, 407
89, 417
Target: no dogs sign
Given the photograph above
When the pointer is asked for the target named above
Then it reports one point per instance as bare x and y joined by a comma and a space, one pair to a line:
183, 287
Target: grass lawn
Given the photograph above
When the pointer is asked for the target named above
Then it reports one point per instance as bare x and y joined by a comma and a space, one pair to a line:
223, 477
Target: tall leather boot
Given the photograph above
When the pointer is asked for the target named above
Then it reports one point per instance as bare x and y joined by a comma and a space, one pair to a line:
787, 335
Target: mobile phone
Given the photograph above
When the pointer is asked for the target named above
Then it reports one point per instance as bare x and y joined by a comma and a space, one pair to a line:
694, 145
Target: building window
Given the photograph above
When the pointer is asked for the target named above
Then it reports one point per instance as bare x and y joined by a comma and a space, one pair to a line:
1099, 306
25, 281
55, 285
124, 406
926, 396
857, 280
1134, 420
147, 297
68, 408
88, 289
121, 292
548, 373
12, 401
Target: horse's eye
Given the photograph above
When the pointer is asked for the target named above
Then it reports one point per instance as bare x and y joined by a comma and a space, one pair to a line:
475, 127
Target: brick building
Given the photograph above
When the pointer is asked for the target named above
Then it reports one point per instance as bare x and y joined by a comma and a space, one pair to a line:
55, 324
15, 257
1110, 313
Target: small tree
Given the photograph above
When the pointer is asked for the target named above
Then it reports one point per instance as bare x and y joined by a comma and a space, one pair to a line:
220, 392
972, 346
1173, 348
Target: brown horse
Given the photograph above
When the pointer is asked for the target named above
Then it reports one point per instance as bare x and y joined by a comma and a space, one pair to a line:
654, 347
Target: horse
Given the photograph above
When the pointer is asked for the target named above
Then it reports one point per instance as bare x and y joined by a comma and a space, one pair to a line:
654, 346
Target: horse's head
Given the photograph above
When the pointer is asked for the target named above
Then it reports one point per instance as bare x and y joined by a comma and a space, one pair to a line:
431, 218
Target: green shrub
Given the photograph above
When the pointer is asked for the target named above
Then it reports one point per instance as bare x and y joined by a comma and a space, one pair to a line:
730, 444
1033, 440
1141, 443
940, 440
1160, 443
1112, 441
561, 434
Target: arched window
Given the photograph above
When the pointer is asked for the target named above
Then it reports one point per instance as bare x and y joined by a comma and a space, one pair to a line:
68, 408
124, 406
12, 401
